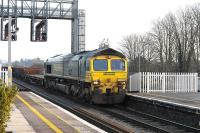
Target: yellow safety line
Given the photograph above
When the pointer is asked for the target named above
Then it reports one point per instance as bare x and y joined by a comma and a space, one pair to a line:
77, 130
44, 119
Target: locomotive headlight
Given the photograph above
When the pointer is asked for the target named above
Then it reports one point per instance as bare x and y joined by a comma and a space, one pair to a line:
121, 81
97, 82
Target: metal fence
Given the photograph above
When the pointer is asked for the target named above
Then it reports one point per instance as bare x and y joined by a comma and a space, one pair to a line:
164, 82
4, 75
199, 84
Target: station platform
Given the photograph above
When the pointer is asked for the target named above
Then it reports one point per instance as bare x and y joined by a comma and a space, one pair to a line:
188, 100
17, 122
183, 108
31, 113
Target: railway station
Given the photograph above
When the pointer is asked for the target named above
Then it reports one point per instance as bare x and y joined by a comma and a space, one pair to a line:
40, 115
96, 91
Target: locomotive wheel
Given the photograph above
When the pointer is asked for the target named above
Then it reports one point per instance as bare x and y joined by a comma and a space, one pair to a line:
80, 93
46, 85
42, 83
72, 88
67, 89
88, 96
49, 86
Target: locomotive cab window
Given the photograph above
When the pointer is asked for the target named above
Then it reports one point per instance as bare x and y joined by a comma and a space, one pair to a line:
117, 65
87, 65
100, 65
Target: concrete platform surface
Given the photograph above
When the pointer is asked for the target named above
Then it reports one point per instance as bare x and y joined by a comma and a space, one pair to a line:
32, 113
188, 100
18, 123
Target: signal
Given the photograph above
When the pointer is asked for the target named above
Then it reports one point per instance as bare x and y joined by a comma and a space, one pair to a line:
38, 30
4, 29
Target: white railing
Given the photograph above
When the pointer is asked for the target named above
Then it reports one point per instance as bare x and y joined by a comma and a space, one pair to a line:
164, 82
4, 75
199, 84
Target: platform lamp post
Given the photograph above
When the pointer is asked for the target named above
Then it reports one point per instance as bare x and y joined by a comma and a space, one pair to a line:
138, 53
9, 51
139, 61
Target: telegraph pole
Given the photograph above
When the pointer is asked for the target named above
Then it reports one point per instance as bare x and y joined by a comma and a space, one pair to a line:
9, 53
139, 61
138, 52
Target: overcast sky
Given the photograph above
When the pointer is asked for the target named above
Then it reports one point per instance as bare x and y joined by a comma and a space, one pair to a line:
113, 19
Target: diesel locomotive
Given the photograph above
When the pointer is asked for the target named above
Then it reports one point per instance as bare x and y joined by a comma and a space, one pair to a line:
98, 76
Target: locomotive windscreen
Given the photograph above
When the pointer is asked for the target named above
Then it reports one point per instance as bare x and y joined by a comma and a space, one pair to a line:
117, 65
100, 65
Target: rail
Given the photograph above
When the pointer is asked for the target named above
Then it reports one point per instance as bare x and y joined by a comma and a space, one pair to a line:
127, 115
77, 110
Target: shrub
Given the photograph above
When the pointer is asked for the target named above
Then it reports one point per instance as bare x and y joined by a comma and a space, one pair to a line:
6, 98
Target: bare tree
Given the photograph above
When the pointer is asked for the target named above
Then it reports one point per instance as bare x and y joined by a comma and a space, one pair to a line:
105, 43
130, 46
163, 36
185, 34
172, 45
196, 14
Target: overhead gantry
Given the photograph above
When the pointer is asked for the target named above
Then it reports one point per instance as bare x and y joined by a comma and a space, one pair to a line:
39, 11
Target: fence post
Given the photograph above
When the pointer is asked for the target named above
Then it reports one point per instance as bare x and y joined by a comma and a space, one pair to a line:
177, 82
196, 82
163, 83
192, 85
147, 82
143, 82
130, 83
140, 76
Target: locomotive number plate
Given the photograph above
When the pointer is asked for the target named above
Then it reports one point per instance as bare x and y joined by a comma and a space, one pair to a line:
109, 73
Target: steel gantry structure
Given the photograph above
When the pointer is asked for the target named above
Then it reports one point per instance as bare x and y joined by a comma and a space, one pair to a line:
39, 11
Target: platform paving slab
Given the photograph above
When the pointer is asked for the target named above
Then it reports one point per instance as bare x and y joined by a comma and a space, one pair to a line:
189, 100
17, 122
64, 120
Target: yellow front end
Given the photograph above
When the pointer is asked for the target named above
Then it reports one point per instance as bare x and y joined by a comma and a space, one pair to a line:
108, 78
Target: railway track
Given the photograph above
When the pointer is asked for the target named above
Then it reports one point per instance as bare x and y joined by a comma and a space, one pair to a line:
125, 115
98, 121
183, 127
156, 124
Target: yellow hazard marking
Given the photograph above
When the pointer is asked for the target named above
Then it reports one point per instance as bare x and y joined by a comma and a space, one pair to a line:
52, 113
44, 119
